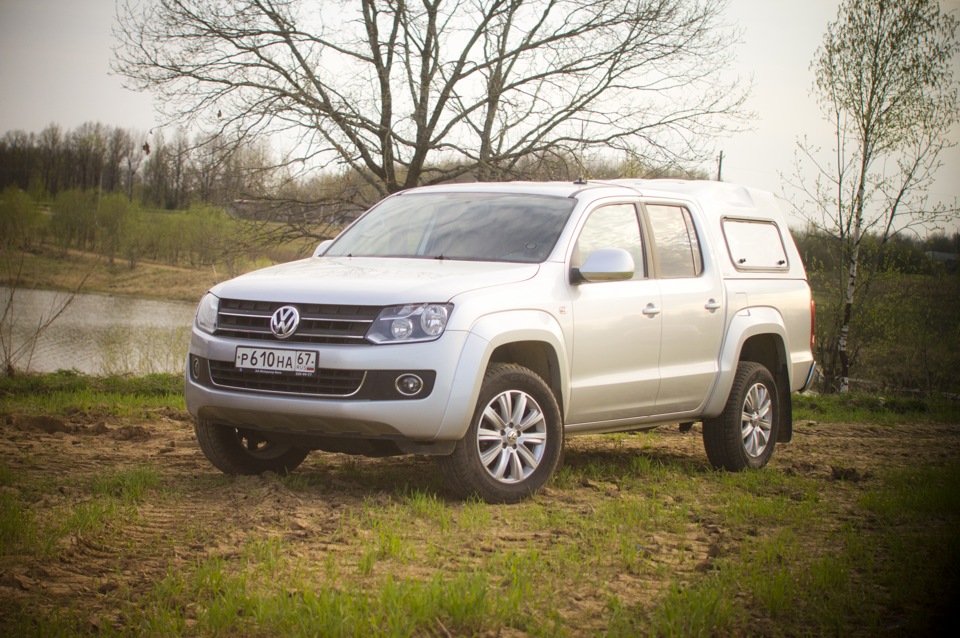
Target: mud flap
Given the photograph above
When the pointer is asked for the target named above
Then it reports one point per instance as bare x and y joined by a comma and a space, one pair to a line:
785, 401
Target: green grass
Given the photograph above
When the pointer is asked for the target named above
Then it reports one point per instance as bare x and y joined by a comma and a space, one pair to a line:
127, 486
18, 528
29, 530
630, 540
266, 592
897, 564
887, 564
874, 409
67, 392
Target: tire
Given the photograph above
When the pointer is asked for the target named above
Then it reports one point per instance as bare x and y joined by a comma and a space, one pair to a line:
514, 442
744, 435
241, 451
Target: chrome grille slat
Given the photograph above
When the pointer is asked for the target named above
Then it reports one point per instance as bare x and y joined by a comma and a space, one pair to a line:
245, 315
306, 333
260, 332
319, 323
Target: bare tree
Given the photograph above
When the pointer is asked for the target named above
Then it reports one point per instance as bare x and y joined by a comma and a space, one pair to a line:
157, 174
19, 219
133, 156
16, 347
89, 142
884, 82
401, 93
18, 159
51, 146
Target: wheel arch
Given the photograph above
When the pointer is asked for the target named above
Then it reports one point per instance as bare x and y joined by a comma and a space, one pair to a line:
537, 356
530, 338
759, 335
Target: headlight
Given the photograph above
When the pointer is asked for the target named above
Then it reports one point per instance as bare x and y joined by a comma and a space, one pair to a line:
207, 313
414, 322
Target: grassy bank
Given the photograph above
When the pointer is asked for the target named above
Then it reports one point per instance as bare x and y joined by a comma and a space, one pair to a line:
51, 269
875, 409
114, 524
66, 393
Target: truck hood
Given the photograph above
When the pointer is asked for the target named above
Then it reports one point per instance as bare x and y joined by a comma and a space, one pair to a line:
371, 281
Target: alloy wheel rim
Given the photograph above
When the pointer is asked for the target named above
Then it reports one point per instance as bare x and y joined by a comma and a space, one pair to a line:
756, 420
511, 436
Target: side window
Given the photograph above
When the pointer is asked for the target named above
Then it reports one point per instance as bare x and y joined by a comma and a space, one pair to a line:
614, 226
678, 247
754, 244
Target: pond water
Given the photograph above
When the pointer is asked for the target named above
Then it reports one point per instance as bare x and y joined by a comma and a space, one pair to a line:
97, 334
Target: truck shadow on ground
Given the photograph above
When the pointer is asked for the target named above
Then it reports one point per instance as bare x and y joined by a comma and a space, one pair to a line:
602, 458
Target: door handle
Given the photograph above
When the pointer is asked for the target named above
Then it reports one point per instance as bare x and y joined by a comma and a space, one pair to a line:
713, 305
651, 310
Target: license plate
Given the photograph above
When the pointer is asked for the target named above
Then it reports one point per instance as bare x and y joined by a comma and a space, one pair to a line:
271, 360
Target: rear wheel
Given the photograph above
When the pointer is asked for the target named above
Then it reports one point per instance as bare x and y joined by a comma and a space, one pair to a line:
514, 442
243, 451
744, 435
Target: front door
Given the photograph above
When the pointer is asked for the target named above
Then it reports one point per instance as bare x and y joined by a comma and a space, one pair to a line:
617, 325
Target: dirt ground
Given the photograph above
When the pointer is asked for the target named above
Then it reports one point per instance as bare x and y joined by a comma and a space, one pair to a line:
208, 514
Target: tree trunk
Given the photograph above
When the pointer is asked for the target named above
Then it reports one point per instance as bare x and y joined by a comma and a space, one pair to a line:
853, 266
847, 315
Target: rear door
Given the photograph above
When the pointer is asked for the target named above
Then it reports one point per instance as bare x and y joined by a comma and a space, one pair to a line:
691, 294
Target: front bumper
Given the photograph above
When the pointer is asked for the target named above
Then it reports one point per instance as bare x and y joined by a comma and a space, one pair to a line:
376, 409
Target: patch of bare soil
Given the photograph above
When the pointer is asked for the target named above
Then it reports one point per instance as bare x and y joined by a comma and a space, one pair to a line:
198, 513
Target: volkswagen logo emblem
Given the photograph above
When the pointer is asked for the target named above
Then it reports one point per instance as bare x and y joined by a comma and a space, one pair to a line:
284, 322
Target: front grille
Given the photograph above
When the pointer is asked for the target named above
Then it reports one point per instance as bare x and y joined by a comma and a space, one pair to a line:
319, 323
325, 382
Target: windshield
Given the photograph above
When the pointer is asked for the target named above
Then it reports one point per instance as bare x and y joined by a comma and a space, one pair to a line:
467, 226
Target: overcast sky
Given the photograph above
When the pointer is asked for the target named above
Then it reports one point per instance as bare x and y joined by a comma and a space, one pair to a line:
55, 68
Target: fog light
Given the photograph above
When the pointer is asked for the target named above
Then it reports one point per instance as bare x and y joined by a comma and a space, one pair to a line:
409, 384
195, 368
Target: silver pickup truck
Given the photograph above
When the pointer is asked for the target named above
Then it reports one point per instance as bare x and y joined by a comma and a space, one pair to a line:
484, 323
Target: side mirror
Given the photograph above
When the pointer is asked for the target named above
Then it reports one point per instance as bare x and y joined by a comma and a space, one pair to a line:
322, 248
605, 264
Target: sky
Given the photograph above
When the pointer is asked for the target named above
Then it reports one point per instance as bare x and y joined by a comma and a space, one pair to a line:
55, 68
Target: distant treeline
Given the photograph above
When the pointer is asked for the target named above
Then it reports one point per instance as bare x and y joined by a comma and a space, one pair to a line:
903, 253
176, 171
110, 225
145, 168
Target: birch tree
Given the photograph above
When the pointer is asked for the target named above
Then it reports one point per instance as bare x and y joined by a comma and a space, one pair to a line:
884, 81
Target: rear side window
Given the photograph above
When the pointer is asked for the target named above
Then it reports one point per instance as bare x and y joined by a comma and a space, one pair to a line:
678, 247
754, 245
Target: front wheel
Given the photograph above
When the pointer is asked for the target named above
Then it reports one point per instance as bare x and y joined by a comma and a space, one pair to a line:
514, 441
242, 451
744, 435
